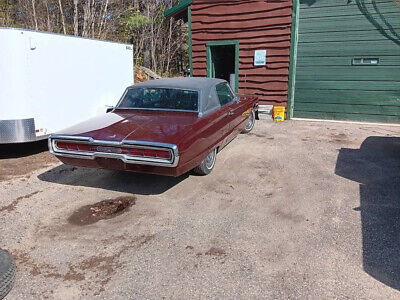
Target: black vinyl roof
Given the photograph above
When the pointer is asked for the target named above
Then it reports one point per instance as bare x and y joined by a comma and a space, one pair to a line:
205, 86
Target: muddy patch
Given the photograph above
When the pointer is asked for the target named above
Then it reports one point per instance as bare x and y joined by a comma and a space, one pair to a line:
261, 136
94, 272
215, 252
257, 135
269, 195
103, 210
339, 138
13, 205
35, 269
289, 216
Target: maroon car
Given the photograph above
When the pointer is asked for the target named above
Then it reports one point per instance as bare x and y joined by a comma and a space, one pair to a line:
165, 127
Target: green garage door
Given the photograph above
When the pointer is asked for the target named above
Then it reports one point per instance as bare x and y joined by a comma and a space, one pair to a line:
348, 63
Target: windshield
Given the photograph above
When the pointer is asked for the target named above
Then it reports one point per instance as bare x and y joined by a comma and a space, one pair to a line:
161, 99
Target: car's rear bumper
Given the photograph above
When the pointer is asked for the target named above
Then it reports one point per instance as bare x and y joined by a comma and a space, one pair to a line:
116, 164
104, 156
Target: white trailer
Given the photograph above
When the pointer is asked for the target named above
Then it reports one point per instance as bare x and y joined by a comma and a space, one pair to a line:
50, 81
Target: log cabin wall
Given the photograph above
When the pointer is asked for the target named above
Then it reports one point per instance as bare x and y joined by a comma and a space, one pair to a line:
257, 25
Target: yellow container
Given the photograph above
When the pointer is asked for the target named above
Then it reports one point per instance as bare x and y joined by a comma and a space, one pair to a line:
279, 113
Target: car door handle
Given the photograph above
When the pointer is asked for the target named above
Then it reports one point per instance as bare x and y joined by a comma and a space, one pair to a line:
230, 114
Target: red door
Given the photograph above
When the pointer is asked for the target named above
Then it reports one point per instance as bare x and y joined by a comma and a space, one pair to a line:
240, 114
236, 109
226, 100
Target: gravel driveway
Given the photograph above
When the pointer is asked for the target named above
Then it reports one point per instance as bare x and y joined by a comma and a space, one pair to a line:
293, 210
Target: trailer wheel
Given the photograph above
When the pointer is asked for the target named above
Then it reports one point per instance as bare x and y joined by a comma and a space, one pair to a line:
7, 273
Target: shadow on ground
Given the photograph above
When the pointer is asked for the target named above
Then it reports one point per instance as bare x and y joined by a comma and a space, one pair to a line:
22, 150
376, 167
119, 181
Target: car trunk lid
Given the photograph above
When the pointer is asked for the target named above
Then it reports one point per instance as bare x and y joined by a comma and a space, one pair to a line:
139, 125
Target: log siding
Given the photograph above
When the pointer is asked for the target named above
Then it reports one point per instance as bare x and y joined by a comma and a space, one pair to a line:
257, 25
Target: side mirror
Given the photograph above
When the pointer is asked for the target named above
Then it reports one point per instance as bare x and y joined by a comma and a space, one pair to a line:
109, 109
236, 99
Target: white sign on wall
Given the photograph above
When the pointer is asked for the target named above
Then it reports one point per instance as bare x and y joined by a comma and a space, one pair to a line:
260, 57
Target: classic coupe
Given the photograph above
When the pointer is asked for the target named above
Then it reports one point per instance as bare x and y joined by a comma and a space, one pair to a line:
165, 127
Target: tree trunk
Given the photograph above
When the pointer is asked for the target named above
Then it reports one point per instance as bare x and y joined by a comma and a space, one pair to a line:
34, 15
62, 17
169, 45
47, 15
76, 18
88, 12
103, 21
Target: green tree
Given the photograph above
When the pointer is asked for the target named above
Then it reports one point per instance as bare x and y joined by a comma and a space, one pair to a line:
6, 12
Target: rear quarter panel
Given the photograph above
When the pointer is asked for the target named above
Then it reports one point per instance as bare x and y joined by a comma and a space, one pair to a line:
207, 133
210, 131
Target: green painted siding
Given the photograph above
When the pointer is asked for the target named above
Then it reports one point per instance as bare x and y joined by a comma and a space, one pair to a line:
348, 73
356, 49
344, 61
331, 34
328, 24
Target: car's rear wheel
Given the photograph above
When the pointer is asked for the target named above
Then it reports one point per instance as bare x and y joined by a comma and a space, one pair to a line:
207, 165
250, 122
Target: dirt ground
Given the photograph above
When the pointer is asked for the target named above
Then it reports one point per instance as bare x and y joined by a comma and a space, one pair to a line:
22, 159
293, 210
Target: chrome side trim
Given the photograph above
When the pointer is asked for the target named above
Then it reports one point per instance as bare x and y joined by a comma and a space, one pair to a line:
17, 131
173, 162
156, 109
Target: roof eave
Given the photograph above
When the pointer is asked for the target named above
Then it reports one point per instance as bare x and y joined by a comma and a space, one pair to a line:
178, 8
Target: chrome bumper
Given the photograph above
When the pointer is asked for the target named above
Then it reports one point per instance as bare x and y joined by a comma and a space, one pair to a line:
17, 131
158, 162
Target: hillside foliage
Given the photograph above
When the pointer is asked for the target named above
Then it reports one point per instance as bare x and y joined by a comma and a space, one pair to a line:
159, 44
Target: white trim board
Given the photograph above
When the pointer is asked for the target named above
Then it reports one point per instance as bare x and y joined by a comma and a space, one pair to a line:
349, 122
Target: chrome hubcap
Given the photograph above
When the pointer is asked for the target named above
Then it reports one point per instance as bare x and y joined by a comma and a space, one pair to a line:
210, 160
250, 121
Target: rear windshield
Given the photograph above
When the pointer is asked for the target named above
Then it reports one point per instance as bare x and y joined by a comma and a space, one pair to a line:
160, 98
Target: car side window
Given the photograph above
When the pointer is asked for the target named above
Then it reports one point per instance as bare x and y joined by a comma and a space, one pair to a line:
224, 94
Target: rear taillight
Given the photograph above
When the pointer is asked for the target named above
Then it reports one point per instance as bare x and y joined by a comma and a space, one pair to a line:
62, 145
138, 152
150, 153
75, 146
